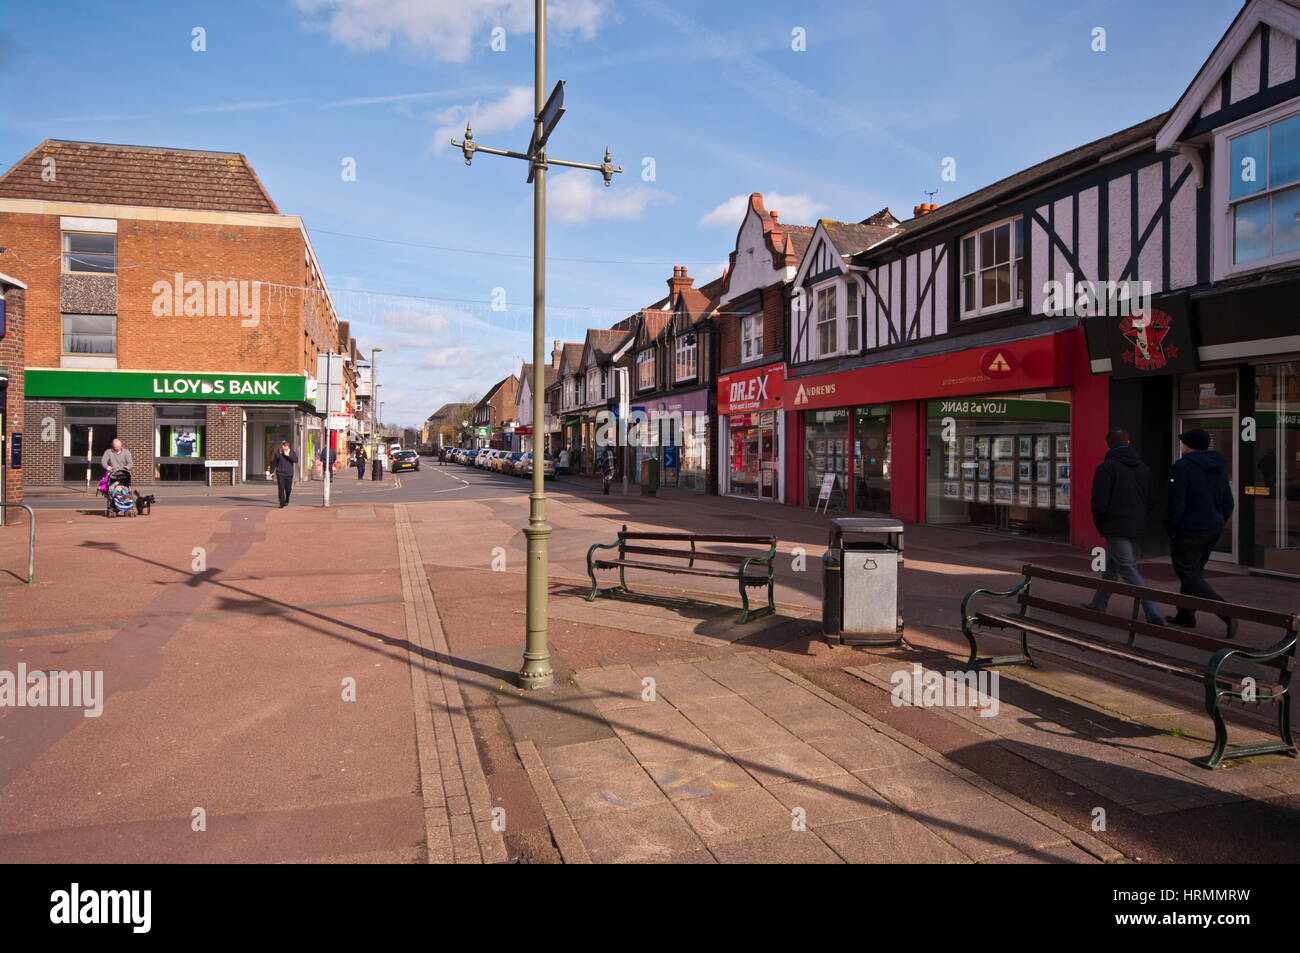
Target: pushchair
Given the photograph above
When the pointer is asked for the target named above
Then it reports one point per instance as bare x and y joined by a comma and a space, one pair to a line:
118, 500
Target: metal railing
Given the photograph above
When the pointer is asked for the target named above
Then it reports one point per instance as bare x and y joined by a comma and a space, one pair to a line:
31, 540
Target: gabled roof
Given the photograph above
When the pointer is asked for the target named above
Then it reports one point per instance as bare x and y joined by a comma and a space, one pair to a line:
1283, 15
603, 344
571, 359
101, 173
700, 302
1023, 181
446, 410
786, 243
851, 237
549, 375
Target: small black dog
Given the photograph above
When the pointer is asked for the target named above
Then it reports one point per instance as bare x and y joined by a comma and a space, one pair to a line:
143, 503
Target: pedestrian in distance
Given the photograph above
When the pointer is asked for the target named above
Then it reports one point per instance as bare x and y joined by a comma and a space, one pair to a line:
1123, 496
562, 461
333, 457
283, 463
361, 463
607, 467
1200, 503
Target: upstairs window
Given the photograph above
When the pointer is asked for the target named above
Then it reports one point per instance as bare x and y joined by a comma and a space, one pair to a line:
992, 269
89, 334
579, 387
645, 370
751, 337
827, 321
686, 348
90, 252
1264, 193
851, 312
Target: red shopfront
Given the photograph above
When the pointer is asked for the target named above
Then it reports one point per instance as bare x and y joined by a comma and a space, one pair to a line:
999, 438
751, 433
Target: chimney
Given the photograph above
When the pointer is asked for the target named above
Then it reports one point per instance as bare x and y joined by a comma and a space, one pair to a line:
773, 213
923, 209
679, 281
556, 354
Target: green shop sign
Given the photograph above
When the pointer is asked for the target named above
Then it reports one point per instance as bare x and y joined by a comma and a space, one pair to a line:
149, 385
1000, 408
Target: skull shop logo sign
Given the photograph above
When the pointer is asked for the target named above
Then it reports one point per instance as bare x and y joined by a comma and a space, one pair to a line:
1145, 333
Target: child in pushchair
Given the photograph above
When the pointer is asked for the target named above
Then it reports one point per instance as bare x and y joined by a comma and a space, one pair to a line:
118, 500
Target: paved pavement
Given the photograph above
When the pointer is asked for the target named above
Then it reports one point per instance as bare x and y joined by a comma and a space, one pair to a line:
232, 635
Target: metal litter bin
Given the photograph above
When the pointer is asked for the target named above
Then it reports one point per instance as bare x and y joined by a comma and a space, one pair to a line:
649, 477
862, 601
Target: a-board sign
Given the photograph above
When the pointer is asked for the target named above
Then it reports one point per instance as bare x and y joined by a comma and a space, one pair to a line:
828, 484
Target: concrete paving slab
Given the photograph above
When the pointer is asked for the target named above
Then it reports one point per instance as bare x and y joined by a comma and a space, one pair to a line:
670, 745
865, 750
919, 786
889, 839
791, 847
699, 776
832, 800
586, 758
613, 790
985, 827
636, 834
730, 816
792, 761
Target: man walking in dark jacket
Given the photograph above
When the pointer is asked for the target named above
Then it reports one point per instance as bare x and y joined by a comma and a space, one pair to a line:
282, 465
1200, 502
1123, 495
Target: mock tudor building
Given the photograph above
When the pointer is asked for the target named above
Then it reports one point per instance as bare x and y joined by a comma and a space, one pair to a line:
170, 304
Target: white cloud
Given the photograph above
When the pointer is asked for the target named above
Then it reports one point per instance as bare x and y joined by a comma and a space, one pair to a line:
445, 29
500, 115
800, 209
575, 197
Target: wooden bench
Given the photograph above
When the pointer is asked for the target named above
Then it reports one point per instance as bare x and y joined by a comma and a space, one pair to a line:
1209, 654
755, 569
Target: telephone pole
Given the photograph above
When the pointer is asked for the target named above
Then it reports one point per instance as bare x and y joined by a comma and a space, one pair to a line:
536, 670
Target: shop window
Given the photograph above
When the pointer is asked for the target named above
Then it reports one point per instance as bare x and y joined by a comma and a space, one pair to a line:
1258, 186
88, 430
826, 457
89, 334
180, 442
992, 268
1000, 463
90, 252
751, 337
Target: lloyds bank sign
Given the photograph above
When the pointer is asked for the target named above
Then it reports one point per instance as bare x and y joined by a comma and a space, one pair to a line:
153, 385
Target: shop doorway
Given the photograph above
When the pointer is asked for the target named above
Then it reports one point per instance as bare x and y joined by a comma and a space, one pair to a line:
88, 430
1275, 484
264, 438
754, 457
1223, 438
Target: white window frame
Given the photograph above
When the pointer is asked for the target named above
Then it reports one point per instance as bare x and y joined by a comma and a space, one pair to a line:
852, 315
1016, 265
751, 334
827, 292
579, 390
1222, 233
645, 368
685, 353
604, 384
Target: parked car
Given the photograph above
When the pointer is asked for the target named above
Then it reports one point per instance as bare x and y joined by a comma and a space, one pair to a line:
523, 466
405, 460
484, 459
508, 460
548, 466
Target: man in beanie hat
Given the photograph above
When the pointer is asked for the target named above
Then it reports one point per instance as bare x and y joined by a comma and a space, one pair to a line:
1200, 502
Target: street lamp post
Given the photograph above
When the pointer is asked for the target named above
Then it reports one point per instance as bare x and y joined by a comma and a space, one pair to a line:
536, 670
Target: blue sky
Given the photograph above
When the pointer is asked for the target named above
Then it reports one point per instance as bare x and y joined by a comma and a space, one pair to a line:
713, 92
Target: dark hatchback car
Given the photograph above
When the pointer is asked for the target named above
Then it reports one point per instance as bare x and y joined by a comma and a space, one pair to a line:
405, 460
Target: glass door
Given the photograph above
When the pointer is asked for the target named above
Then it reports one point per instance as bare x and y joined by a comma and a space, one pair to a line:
1223, 438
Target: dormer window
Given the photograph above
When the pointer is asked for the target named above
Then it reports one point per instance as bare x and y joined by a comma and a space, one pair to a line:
828, 327
992, 269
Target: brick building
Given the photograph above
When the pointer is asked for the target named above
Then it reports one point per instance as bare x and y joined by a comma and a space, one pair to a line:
169, 303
